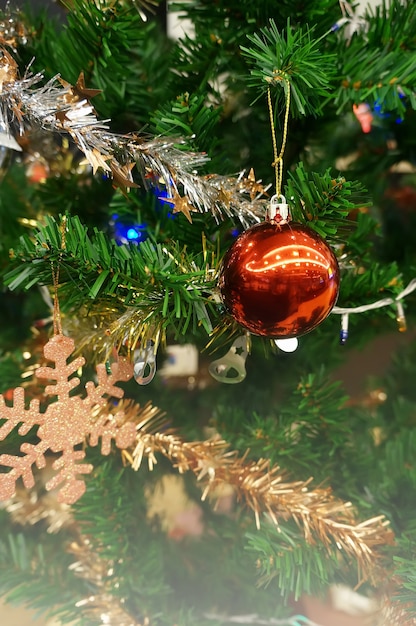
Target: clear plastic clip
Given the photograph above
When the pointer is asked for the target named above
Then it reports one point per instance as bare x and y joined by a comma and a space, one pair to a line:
231, 368
145, 364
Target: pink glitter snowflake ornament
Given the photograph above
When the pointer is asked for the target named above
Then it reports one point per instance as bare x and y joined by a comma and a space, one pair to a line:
65, 423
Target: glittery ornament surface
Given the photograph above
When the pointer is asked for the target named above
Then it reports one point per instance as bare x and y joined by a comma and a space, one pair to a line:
65, 424
279, 280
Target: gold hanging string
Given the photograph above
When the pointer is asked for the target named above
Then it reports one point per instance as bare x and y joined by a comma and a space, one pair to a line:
278, 158
57, 319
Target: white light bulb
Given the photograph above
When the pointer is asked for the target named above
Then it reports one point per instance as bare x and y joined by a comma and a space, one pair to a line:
287, 345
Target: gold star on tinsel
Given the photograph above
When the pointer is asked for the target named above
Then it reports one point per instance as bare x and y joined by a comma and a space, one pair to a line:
82, 91
122, 177
96, 160
225, 197
181, 204
78, 91
62, 117
253, 186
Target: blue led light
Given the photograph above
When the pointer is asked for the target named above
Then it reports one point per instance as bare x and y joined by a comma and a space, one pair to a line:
378, 110
127, 232
132, 234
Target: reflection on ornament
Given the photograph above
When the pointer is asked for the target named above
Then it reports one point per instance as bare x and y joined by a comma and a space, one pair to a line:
287, 345
279, 280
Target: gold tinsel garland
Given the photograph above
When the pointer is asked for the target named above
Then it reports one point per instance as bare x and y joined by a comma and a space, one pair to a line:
259, 485
262, 487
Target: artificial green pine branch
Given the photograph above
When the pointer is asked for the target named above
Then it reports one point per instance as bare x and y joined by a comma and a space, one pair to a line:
160, 284
377, 76
32, 576
188, 115
405, 574
105, 44
291, 59
377, 65
252, 16
323, 201
286, 560
391, 23
310, 431
362, 283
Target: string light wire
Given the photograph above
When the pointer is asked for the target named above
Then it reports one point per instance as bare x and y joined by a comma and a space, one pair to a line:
378, 304
400, 317
295, 620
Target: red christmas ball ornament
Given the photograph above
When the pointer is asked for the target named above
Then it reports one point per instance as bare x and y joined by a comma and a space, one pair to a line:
279, 280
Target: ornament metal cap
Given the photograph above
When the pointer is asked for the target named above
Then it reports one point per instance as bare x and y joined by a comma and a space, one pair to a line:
279, 207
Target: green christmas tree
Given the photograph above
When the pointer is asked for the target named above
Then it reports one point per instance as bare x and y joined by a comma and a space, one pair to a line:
133, 161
